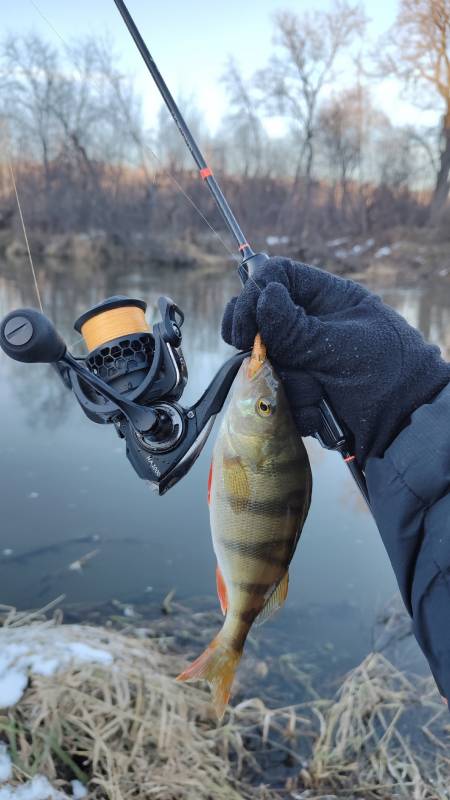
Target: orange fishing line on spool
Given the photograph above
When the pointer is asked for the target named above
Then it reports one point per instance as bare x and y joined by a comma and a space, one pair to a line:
113, 324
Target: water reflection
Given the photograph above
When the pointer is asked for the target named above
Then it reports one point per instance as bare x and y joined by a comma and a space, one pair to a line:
427, 308
66, 482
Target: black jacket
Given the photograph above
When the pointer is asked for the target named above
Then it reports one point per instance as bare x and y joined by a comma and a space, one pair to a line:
409, 491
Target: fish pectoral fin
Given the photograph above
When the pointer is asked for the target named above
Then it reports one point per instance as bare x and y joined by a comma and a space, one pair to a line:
275, 600
221, 590
236, 483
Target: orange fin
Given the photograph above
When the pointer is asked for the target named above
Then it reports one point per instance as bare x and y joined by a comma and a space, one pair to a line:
275, 600
210, 476
217, 665
221, 590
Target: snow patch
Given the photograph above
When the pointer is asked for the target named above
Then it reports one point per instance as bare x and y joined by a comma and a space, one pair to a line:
337, 242
363, 248
37, 789
39, 650
5, 764
12, 687
84, 652
78, 790
44, 666
383, 251
273, 240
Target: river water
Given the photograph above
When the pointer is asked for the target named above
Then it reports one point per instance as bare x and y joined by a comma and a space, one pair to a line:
68, 490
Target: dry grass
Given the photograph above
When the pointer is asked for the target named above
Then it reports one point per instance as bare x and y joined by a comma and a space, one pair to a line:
361, 740
128, 728
132, 732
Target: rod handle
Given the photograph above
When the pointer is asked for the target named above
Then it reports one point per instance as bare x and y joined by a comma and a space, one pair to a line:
250, 264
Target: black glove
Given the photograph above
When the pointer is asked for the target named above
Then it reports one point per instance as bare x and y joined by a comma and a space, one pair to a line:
327, 335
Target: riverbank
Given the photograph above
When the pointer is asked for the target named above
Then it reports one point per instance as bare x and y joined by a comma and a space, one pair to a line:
398, 257
91, 711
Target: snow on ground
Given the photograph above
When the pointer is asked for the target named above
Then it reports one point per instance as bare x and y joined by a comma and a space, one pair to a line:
273, 240
78, 790
5, 764
383, 251
37, 789
40, 650
337, 242
12, 686
357, 249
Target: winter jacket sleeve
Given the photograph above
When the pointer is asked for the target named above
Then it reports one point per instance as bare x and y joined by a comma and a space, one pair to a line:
409, 488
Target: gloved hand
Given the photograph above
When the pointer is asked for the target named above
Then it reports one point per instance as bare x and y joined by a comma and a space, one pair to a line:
327, 335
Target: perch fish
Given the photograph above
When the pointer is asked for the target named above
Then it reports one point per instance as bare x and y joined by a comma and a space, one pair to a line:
259, 494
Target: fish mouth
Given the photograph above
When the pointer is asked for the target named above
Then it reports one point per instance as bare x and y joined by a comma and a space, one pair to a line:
257, 358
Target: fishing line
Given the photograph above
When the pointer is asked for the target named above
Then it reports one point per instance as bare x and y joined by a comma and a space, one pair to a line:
33, 271
191, 201
78, 341
147, 147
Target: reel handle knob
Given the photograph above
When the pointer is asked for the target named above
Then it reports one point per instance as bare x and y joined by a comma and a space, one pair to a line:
29, 336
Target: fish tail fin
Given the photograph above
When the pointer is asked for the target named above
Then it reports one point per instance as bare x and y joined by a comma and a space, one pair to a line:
217, 665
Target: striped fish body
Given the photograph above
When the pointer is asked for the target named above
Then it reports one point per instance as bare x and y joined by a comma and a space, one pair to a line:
259, 496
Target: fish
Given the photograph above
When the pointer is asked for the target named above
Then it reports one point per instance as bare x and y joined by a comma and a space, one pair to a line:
259, 493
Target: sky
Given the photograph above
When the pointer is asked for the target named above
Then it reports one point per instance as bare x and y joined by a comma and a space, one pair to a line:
191, 41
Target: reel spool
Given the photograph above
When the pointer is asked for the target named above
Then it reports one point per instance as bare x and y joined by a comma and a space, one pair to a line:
140, 364
119, 341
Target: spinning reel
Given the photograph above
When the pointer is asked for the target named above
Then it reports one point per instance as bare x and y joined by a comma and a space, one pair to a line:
132, 378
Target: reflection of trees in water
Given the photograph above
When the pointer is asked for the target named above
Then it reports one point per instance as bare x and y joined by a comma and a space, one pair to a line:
68, 289
42, 394
350, 498
427, 308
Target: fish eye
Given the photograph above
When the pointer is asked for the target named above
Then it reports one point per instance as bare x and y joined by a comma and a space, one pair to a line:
263, 407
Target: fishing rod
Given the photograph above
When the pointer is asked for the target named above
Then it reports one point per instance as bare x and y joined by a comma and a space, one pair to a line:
134, 377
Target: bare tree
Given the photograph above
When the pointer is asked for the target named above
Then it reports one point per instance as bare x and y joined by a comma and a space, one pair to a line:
29, 69
293, 82
169, 144
340, 124
242, 125
71, 113
417, 50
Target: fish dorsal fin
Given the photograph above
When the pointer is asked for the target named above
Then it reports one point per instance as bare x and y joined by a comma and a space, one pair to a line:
275, 600
221, 590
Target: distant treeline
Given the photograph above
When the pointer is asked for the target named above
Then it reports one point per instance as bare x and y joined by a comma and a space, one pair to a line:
71, 126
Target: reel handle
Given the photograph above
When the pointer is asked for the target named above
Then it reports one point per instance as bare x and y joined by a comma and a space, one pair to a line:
29, 336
